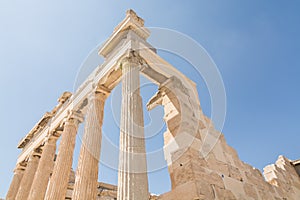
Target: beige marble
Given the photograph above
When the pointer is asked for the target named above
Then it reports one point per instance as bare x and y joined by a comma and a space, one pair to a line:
28, 177
200, 162
16, 181
87, 171
132, 179
44, 170
59, 180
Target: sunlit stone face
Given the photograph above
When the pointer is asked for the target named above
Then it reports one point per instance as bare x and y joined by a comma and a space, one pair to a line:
201, 164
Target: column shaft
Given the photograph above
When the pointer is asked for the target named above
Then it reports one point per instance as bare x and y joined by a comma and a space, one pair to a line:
28, 176
46, 164
133, 181
87, 171
15, 183
58, 184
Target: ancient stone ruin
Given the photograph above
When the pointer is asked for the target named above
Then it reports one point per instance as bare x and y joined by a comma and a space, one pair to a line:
40, 174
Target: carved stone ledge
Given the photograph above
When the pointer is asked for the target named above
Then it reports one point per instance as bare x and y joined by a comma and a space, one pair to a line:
173, 83
131, 13
64, 97
155, 100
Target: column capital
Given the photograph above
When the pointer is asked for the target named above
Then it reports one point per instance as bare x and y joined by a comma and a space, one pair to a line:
51, 139
20, 166
35, 153
74, 118
131, 58
101, 92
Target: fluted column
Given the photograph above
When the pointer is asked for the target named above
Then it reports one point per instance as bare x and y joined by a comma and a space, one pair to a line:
15, 183
58, 184
133, 181
28, 176
87, 170
46, 164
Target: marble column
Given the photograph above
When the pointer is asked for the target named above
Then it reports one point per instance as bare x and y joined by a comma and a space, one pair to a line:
86, 180
28, 176
46, 164
132, 177
58, 184
15, 183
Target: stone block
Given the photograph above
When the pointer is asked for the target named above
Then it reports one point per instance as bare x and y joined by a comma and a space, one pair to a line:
183, 173
265, 195
250, 191
187, 191
235, 186
217, 166
204, 190
223, 194
235, 173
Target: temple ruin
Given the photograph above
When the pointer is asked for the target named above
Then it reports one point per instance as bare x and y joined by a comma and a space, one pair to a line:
40, 174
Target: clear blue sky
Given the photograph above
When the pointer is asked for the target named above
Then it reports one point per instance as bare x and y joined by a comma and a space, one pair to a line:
255, 45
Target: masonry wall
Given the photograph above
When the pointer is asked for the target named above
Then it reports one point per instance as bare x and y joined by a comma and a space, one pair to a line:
222, 175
